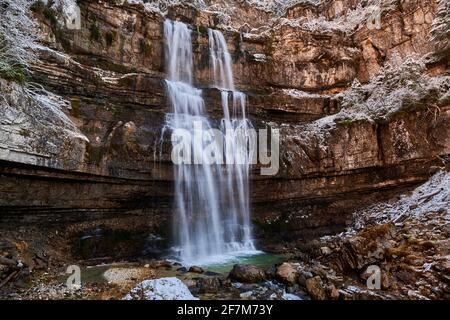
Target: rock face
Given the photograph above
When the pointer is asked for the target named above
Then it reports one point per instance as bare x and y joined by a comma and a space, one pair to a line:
316, 288
287, 273
161, 289
90, 154
246, 273
395, 250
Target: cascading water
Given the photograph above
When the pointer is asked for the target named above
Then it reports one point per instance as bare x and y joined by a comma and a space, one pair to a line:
212, 210
237, 172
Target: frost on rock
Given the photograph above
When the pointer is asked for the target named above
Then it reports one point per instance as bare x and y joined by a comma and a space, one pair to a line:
17, 36
347, 22
161, 289
396, 88
298, 94
440, 31
34, 127
162, 6
65, 9
279, 7
432, 196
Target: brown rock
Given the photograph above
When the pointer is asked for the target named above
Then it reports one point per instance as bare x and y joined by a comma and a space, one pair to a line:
287, 274
196, 269
316, 288
332, 292
208, 285
247, 273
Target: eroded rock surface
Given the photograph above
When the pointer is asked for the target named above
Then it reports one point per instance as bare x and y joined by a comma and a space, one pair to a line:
87, 153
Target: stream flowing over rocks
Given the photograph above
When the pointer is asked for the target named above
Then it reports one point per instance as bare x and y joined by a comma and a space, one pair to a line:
359, 92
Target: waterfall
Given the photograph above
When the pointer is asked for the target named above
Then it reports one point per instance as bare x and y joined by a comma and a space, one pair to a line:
212, 220
237, 173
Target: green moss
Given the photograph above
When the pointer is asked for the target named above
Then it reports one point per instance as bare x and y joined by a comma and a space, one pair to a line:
75, 107
110, 36
345, 121
25, 133
50, 15
115, 111
94, 32
95, 155
14, 73
145, 46
38, 7
202, 30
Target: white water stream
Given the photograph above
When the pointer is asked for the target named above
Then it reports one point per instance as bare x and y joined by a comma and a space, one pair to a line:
212, 219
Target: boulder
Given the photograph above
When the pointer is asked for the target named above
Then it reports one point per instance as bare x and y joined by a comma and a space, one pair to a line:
316, 288
196, 269
247, 273
303, 276
287, 273
325, 251
208, 285
161, 289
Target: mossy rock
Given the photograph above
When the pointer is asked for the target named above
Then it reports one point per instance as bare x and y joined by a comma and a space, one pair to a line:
15, 73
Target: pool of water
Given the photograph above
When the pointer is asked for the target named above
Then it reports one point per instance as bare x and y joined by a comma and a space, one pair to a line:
261, 259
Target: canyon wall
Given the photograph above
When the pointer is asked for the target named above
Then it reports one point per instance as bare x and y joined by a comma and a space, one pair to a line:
90, 151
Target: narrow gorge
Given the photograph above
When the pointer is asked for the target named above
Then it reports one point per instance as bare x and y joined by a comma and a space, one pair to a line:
98, 99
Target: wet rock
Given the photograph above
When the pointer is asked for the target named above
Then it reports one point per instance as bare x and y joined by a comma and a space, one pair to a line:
161, 264
263, 291
196, 269
247, 273
366, 248
7, 262
208, 285
325, 251
211, 274
332, 292
182, 269
271, 272
303, 276
290, 296
287, 273
316, 288
161, 289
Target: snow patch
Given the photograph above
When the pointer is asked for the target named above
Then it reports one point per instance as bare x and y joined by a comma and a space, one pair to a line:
298, 94
432, 196
161, 289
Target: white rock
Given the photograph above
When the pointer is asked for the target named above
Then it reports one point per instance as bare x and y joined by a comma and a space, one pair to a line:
161, 289
290, 296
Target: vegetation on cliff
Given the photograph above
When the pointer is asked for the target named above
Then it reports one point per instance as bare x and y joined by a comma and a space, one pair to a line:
395, 89
441, 27
16, 39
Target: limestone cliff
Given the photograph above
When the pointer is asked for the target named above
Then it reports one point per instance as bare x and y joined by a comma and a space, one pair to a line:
363, 112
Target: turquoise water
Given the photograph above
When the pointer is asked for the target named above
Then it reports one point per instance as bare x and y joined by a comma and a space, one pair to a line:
262, 260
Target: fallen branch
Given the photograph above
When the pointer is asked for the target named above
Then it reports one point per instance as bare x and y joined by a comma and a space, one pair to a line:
8, 278
427, 196
8, 262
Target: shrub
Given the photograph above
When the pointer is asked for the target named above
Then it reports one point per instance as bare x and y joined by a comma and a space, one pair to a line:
16, 39
395, 89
